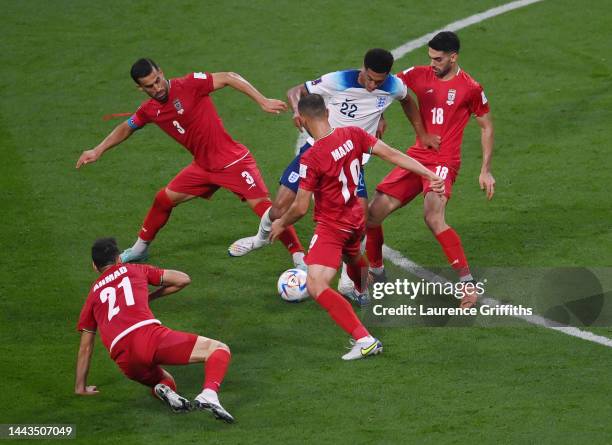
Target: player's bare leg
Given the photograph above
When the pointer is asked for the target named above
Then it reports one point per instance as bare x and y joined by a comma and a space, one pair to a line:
345, 283
341, 312
159, 213
165, 390
434, 214
282, 201
216, 356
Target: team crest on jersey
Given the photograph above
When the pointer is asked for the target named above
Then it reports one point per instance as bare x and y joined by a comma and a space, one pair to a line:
451, 97
178, 106
293, 177
381, 101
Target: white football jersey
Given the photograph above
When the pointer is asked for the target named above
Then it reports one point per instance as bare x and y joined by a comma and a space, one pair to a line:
350, 104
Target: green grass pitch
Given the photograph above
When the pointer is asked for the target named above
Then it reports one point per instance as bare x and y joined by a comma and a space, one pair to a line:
64, 64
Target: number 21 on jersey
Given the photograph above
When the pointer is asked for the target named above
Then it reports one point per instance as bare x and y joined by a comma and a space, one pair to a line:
110, 294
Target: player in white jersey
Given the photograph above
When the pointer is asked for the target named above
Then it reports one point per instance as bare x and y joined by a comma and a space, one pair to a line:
355, 97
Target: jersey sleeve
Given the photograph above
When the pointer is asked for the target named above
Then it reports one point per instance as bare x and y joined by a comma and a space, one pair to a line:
155, 276
398, 88
87, 322
309, 174
202, 82
326, 85
138, 119
409, 77
479, 104
365, 141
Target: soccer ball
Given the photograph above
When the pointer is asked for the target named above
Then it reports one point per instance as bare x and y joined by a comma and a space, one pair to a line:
292, 285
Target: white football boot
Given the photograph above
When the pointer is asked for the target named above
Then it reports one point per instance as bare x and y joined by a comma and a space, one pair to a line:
207, 400
363, 348
176, 402
245, 245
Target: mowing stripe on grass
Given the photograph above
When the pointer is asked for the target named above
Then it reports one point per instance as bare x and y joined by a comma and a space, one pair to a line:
401, 51
410, 266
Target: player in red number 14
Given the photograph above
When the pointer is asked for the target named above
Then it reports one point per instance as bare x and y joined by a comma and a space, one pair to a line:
330, 170
118, 308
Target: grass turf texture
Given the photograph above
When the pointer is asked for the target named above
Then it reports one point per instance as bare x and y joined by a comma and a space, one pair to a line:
66, 64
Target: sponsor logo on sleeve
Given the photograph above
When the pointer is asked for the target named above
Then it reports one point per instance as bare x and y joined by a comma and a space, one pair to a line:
484, 98
303, 169
199, 75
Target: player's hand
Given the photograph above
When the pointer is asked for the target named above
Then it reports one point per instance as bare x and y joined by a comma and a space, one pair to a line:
276, 229
87, 157
297, 121
273, 106
437, 184
382, 127
87, 391
487, 183
431, 140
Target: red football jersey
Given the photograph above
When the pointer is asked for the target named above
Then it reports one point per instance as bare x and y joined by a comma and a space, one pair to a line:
330, 169
118, 302
189, 116
445, 107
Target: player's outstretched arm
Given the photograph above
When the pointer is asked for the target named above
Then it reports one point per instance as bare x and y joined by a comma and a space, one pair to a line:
486, 179
236, 81
398, 158
298, 209
83, 361
293, 96
119, 134
412, 113
172, 281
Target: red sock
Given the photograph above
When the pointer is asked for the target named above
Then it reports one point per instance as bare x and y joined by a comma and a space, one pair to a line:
451, 244
374, 243
358, 272
157, 217
342, 313
215, 368
169, 382
289, 237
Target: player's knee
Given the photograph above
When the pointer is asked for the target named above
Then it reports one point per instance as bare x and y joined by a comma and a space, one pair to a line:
223, 347
434, 221
163, 200
314, 286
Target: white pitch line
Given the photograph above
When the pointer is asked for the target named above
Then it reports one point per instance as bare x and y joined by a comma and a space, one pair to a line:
410, 266
401, 51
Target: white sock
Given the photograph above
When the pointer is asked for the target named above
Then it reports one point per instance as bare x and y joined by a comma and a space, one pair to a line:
298, 258
140, 246
366, 339
265, 225
210, 395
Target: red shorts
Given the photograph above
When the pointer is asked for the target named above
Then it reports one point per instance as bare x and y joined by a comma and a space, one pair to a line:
405, 185
140, 353
242, 178
328, 244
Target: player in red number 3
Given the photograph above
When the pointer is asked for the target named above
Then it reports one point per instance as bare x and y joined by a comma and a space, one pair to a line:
183, 109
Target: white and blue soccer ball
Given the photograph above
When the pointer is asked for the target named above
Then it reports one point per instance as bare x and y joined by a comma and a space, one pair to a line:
292, 285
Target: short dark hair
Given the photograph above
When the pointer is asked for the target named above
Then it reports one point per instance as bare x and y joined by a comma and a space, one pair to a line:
142, 68
446, 41
312, 105
104, 252
378, 60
